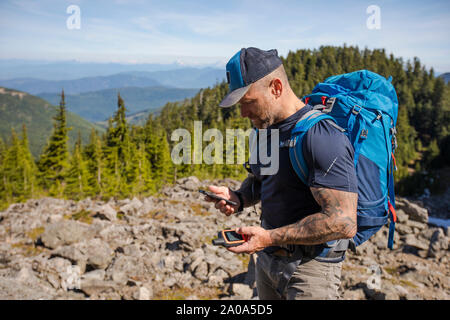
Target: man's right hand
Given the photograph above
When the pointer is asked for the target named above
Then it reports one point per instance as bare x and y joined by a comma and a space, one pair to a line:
226, 193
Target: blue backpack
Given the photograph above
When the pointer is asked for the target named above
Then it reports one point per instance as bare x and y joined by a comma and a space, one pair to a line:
364, 105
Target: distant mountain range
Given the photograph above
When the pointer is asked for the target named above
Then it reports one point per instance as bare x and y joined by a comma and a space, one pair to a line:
445, 76
100, 105
17, 108
36, 86
69, 70
180, 78
185, 77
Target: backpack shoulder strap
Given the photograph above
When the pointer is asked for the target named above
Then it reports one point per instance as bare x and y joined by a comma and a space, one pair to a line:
302, 126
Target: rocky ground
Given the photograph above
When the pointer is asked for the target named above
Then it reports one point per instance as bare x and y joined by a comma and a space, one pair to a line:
160, 248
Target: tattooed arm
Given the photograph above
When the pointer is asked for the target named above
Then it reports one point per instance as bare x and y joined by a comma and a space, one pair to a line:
337, 220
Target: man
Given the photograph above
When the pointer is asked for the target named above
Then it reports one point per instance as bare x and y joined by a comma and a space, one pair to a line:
297, 219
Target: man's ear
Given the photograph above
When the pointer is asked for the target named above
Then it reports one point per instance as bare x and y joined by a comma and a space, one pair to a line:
276, 87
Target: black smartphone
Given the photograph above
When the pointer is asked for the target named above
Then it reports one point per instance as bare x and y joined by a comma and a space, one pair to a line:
216, 197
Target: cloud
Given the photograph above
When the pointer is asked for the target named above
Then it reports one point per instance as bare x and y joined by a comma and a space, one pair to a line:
139, 30
216, 25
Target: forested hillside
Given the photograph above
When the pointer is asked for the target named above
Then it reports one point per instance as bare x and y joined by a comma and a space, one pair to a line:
19, 108
135, 160
98, 105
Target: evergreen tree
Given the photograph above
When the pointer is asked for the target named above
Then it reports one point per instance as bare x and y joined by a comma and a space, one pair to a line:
77, 185
53, 162
118, 153
158, 152
28, 166
3, 184
95, 167
18, 169
144, 183
137, 160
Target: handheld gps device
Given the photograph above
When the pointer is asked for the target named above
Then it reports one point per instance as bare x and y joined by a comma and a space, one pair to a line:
229, 238
216, 197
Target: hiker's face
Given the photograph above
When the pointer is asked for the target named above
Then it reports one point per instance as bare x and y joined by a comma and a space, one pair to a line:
258, 106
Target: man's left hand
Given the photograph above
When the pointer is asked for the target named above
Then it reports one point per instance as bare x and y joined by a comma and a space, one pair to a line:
258, 239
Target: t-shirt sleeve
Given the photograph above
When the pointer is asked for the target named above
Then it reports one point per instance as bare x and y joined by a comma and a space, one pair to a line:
329, 156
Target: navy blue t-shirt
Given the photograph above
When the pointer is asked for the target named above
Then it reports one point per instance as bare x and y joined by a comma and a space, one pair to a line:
285, 199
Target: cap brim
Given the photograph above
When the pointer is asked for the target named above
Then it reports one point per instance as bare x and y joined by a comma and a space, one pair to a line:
234, 96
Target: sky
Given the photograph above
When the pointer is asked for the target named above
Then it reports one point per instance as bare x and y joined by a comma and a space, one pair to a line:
210, 32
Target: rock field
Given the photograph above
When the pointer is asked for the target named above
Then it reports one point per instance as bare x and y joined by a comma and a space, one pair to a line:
160, 248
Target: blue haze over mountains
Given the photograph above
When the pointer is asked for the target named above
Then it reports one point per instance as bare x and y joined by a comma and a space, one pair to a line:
91, 88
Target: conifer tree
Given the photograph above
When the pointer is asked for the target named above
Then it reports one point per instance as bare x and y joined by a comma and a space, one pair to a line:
95, 166
118, 153
53, 162
77, 185
28, 166
158, 151
133, 161
143, 183
18, 169
3, 195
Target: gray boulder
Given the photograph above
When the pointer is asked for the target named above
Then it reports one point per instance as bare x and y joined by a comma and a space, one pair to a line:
11, 289
94, 287
132, 207
98, 252
55, 271
242, 290
98, 274
416, 224
402, 217
106, 212
143, 293
191, 183
66, 232
413, 241
95, 253
439, 244
125, 267
414, 211
72, 253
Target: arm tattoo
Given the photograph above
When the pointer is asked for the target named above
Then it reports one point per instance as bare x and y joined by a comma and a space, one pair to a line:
337, 220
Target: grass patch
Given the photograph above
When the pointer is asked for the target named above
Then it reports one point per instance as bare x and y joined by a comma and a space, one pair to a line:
245, 259
160, 215
35, 233
81, 216
353, 268
391, 271
402, 282
28, 250
120, 215
208, 240
156, 214
395, 274
182, 293
198, 210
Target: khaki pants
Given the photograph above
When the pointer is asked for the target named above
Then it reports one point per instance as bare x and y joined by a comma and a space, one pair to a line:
311, 280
